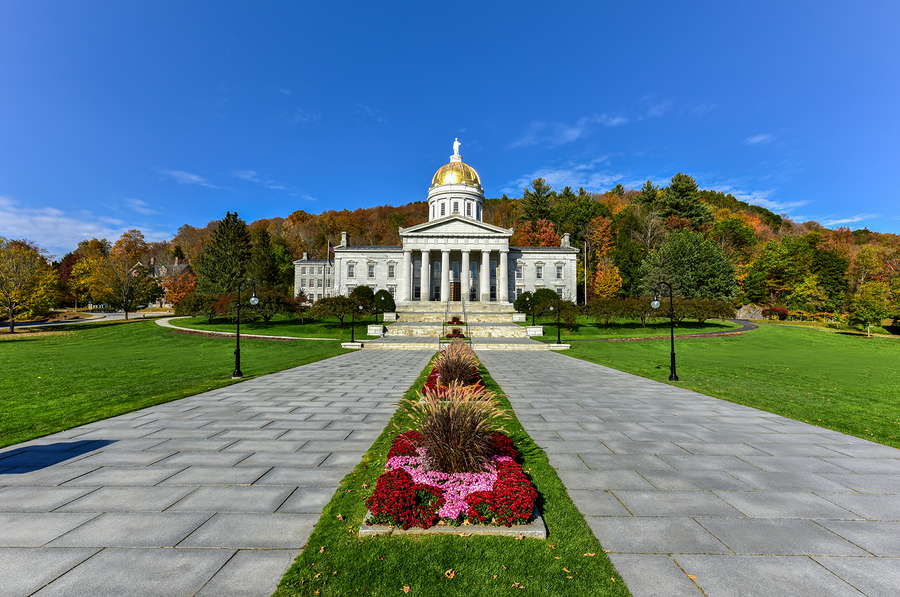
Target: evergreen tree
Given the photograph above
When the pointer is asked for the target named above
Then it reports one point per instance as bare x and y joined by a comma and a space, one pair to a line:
537, 202
263, 266
682, 199
694, 266
648, 194
223, 263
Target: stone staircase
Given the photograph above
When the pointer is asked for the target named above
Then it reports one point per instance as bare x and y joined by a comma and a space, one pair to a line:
421, 325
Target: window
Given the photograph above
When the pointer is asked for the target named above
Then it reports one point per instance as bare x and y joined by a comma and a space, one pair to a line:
303, 271
302, 282
432, 210
456, 207
539, 271
393, 290
493, 269
442, 209
518, 272
351, 270
559, 291
477, 212
559, 270
437, 268
519, 290
417, 292
468, 209
390, 270
319, 283
371, 270
320, 271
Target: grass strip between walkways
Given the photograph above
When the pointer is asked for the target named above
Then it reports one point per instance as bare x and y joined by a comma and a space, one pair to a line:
336, 562
56, 379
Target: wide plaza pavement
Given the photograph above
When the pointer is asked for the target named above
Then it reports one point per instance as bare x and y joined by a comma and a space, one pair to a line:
688, 492
211, 495
215, 494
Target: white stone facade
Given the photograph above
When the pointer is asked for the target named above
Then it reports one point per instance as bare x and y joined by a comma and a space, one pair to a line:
435, 255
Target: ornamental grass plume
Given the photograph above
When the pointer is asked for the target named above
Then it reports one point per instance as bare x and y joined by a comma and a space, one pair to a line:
457, 363
457, 423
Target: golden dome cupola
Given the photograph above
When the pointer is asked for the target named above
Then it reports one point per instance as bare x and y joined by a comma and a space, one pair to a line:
455, 190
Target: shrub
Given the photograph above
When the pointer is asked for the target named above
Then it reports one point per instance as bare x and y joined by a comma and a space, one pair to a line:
399, 501
457, 426
775, 312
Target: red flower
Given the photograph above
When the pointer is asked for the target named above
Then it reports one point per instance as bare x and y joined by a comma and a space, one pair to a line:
399, 501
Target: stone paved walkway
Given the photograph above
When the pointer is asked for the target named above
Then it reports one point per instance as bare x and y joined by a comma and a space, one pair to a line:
675, 483
214, 494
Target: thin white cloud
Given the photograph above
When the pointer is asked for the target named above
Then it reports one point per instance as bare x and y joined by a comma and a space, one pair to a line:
761, 198
364, 115
849, 220
182, 177
265, 181
759, 139
297, 116
141, 207
284, 91
703, 109
555, 134
659, 108
60, 232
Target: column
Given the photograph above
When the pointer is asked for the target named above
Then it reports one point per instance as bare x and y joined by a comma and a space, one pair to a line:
464, 276
426, 277
485, 275
445, 274
405, 286
503, 278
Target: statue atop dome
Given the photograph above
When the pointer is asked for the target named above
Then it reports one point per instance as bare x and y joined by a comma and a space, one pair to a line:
456, 145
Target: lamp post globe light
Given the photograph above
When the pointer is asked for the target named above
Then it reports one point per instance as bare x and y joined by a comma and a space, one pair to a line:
655, 304
558, 310
237, 351
353, 321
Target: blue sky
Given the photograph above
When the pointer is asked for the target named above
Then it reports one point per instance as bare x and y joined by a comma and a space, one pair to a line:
150, 115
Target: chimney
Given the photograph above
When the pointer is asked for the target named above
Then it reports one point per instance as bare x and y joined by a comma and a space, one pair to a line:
345, 239
565, 240
176, 261
305, 256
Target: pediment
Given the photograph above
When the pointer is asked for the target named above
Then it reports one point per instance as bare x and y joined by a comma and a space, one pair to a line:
455, 226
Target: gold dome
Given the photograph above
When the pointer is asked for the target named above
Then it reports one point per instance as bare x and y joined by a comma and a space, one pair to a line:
456, 173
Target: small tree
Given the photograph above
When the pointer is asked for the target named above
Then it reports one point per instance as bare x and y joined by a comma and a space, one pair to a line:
870, 305
524, 303
543, 299
198, 304
123, 284
333, 306
272, 302
27, 282
383, 303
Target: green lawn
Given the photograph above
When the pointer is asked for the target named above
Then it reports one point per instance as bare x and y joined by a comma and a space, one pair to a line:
336, 562
843, 382
283, 326
60, 378
590, 330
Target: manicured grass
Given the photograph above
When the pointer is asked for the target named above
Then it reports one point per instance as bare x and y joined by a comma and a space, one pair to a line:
282, 326
843, 382
337, 562
63, 377
590, 330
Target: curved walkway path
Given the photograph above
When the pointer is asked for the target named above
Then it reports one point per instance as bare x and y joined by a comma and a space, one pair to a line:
166, 322
746, 326
214, 494
691, 493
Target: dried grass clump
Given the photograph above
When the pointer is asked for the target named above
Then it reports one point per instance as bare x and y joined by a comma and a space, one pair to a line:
457, 364
457, 426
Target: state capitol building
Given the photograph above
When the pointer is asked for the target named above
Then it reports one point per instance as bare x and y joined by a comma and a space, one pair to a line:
453, 255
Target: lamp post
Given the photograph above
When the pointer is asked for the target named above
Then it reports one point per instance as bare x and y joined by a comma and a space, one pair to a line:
353, 321
558, 310
655, 305
237, 351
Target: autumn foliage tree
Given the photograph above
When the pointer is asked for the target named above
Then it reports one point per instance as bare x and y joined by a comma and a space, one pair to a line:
28, 285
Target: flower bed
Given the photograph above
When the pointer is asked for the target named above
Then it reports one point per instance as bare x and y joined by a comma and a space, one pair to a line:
410, 494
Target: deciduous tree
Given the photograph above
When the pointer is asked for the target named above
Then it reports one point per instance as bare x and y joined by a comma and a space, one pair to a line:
28, 285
